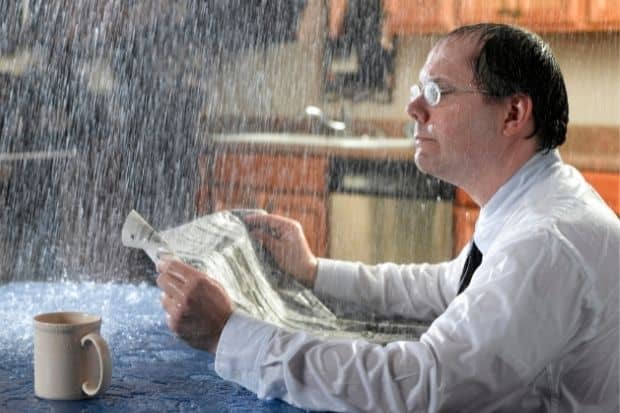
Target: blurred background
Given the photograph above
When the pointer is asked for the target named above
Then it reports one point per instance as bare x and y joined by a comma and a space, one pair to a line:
181, 108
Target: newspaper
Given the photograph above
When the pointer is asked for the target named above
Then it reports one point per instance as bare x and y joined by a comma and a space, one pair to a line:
220, 245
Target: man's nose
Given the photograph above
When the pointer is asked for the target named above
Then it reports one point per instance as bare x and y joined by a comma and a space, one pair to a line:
416, 108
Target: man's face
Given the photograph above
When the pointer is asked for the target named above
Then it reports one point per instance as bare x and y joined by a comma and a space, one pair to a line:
455, 138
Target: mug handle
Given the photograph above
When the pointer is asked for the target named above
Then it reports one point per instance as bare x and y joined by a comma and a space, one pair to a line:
105, 364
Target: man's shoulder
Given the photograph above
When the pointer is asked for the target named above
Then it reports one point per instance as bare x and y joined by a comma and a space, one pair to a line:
577, 227
563, 197
573, 220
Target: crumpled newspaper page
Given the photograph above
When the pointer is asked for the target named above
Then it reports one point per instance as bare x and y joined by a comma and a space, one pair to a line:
220, 245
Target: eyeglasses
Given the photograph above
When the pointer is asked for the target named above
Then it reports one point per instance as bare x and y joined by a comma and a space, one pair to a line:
432, 92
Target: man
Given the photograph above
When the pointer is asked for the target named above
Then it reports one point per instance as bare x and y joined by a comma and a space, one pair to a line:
533, 328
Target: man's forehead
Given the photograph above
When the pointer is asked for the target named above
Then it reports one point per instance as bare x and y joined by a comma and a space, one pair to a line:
449, 59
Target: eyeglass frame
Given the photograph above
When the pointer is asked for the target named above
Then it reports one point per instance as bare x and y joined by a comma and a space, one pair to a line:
422, 87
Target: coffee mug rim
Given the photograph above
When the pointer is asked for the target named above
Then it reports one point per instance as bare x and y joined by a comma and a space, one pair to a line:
44, 320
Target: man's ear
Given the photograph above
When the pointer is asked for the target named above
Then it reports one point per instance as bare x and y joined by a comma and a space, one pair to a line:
519, 116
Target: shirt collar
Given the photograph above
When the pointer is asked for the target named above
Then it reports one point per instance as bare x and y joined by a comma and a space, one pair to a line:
493, 214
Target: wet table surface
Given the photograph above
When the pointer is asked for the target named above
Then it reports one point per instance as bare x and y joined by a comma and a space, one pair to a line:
153, 371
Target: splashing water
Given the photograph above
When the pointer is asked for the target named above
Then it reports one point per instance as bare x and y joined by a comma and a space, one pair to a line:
123, 86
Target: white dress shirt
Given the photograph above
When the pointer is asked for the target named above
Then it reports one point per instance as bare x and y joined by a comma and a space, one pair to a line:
535, 331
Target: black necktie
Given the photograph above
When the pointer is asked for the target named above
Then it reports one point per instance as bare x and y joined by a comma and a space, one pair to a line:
474, 258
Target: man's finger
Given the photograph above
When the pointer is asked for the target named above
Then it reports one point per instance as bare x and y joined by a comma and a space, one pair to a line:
183, 271
163, 264
169, 305
172, 285
275, 222
172, 324
265, 238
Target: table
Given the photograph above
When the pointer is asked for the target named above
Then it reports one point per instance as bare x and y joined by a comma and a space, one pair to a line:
153, 370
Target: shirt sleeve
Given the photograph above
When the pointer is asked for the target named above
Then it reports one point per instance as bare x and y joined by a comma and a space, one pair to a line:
520, 311
416, 291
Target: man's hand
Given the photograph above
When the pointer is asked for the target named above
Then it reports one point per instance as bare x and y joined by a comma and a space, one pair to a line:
197, 306
284, 239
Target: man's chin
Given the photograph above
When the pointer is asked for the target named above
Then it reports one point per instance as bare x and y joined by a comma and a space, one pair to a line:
423, 162
429, 165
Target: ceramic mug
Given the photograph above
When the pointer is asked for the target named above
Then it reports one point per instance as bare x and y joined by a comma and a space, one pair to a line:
71, 359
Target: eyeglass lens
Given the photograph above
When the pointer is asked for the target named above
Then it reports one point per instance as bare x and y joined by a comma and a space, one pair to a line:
431, 91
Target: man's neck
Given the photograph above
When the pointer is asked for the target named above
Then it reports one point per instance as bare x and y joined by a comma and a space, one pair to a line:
482, 188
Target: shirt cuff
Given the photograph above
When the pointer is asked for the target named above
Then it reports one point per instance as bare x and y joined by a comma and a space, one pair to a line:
335, 279
241, 346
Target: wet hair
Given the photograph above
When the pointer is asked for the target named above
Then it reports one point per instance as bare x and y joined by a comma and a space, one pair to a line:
512, 60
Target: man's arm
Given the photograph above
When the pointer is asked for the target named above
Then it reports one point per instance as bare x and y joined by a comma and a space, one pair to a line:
523, 309
415, 291
411, 291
